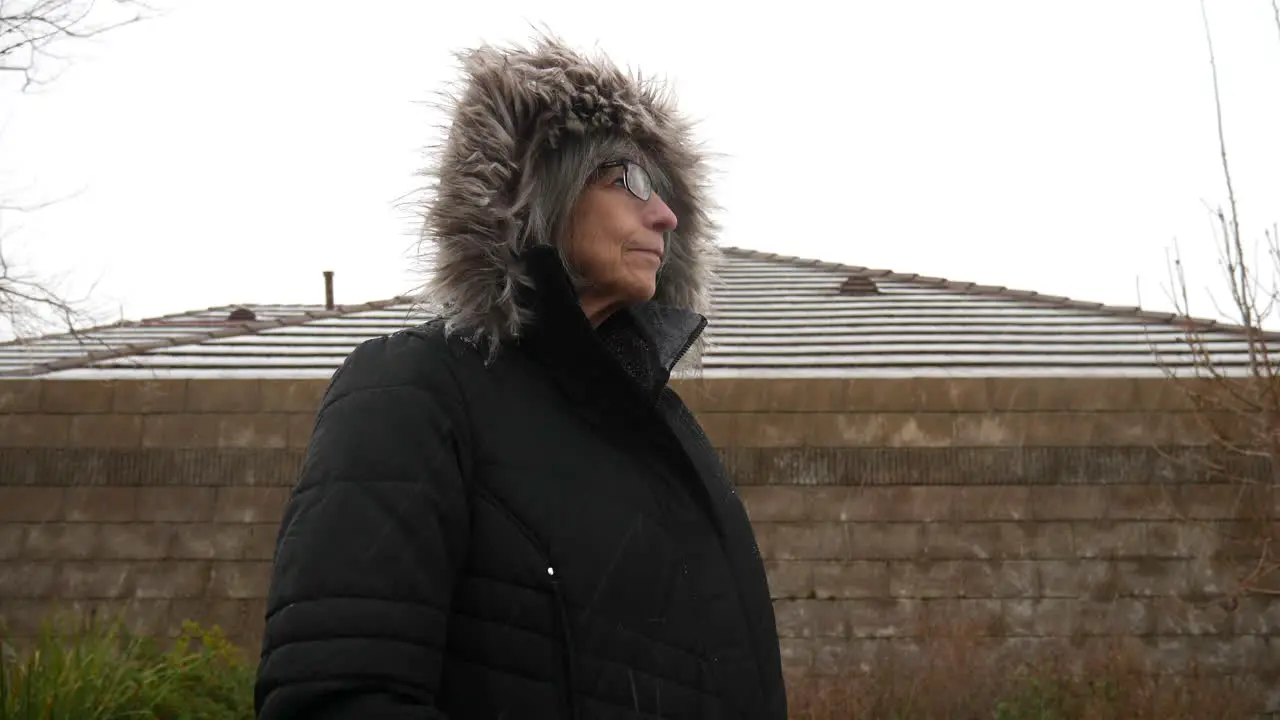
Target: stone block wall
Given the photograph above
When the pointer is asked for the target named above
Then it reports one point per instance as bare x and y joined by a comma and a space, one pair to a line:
160, 499
1037, 511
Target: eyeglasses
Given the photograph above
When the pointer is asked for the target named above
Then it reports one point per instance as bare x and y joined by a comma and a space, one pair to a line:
635, 178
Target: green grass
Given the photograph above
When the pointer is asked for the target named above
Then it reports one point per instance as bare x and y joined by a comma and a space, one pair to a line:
91, 669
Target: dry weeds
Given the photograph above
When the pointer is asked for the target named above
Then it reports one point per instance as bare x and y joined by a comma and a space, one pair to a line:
961, 676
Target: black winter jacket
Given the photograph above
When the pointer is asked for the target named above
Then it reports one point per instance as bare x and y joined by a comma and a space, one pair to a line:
547, 536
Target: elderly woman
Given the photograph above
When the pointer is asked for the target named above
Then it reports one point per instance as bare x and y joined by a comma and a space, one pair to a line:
506, 512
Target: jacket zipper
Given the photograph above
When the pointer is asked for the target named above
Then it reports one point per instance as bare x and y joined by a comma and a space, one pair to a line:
566, 639
561, 608
688, 343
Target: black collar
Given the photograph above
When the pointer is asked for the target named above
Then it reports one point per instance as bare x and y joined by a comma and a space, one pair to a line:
617, 373
632, 352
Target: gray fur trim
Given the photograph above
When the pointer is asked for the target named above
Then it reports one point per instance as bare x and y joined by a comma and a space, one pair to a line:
513, 106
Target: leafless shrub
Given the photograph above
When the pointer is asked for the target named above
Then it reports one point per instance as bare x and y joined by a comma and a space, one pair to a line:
965, 674
1237, 404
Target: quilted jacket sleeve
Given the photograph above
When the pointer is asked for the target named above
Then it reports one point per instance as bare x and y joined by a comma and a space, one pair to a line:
369, 544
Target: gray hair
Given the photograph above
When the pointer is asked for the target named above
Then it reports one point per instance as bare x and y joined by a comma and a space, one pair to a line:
558, 182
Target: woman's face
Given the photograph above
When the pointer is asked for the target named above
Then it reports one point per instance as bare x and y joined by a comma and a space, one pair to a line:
616, 241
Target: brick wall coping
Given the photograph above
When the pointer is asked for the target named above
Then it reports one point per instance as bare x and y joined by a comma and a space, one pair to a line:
705, 395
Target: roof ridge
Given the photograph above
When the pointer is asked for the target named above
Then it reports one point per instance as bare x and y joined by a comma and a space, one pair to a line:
1187, 322
230, 330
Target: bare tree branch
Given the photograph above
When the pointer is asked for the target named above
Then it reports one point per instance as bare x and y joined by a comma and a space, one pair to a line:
36, 37
1217, 106
1275, 12
1237, 408
31, 304
32, 31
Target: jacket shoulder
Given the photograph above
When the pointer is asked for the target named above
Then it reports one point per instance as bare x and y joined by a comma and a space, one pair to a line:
419, 357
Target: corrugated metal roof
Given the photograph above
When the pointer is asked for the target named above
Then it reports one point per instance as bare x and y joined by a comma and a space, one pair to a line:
773, 316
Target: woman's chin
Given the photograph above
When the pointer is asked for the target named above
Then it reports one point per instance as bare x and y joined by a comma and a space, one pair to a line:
643, 292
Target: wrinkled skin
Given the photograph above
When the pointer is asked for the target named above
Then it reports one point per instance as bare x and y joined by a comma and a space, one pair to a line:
617, 244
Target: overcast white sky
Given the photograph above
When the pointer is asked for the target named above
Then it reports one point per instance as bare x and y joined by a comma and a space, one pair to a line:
230, 151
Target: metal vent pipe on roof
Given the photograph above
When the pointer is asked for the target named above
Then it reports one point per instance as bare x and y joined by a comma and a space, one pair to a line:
328, 289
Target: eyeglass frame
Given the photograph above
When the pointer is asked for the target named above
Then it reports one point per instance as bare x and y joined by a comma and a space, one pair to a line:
626, 176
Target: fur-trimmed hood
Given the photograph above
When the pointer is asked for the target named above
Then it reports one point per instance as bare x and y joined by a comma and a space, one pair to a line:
513, 106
